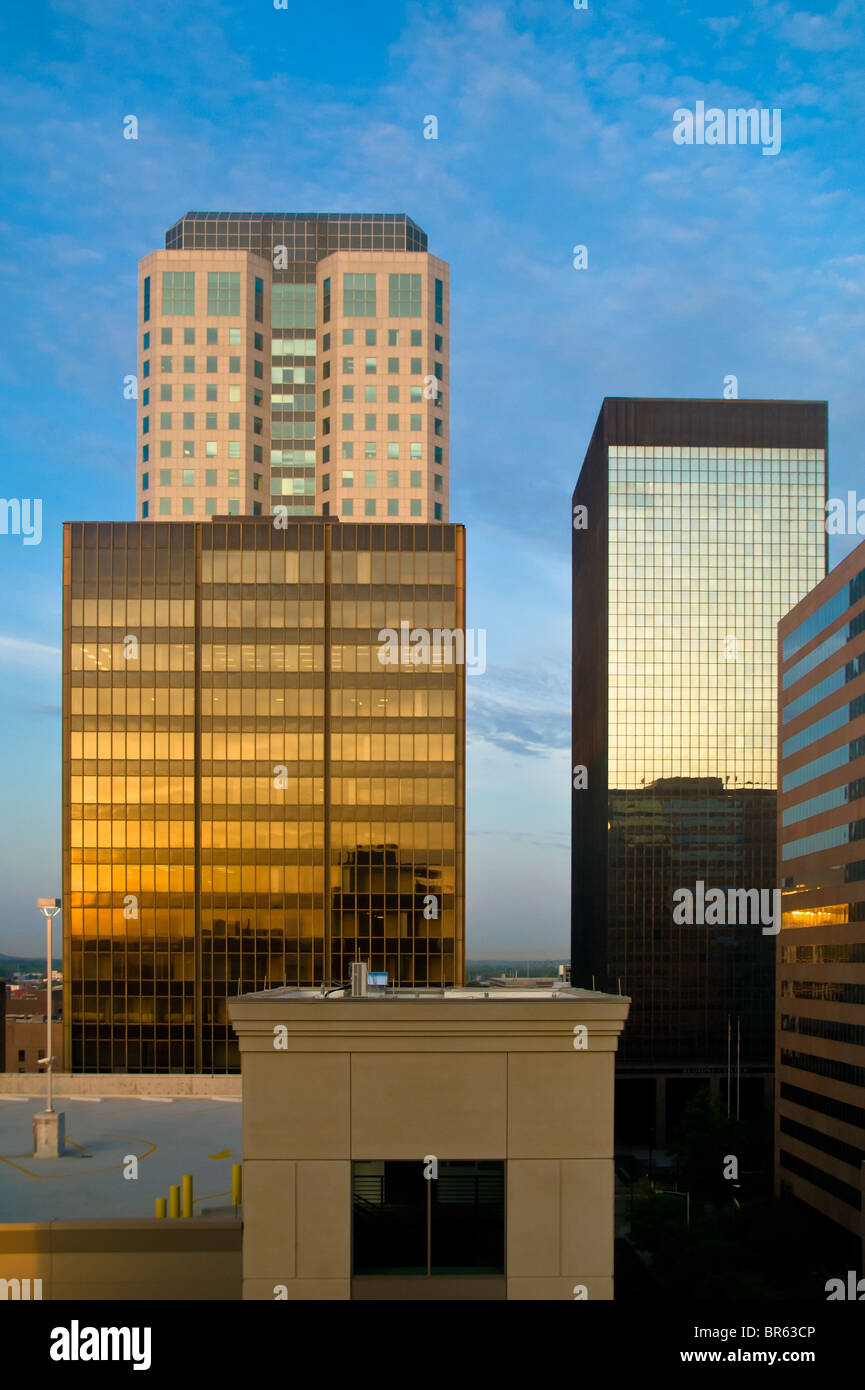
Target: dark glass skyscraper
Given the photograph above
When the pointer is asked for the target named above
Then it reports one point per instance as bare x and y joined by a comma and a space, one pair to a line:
251, 794
703, 523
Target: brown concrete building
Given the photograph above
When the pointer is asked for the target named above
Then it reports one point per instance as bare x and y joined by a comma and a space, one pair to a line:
453, 1145
25, 1043
820, 1061
293, 363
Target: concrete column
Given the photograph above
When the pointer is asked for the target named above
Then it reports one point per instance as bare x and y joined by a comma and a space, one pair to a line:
49, 1134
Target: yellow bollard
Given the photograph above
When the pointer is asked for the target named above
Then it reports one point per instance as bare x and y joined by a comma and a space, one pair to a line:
160, 1206
174, 1201
236, 1184
187, 1194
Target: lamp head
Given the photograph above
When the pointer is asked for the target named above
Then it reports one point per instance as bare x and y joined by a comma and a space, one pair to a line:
49, 907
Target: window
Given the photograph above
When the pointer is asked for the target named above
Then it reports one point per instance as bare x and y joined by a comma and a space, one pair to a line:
369, 449
234, 506
165, 449
145, 453
416, 366
347, 478
210, 506
393, 337
369, 478
165, 420
325, 509
393, 394
437, 426
257, 396
165, 393
416, 338
325, 482
348, 364
145, 481
348, 422
234, 477
325, 398
402, 1224
415, 422
438, 342
393, 506
165, 506
256, 509
370, 366
348, 449
438, 373
325, 301
223, 292
145, 425
189, 477
437, 482
178, 292
358, 296
188, 420
146, 310
189, 363
259, 300
233, 420
415, 393
256, 482
165, 477
437, 453
414, 507
233, 364
146, 369
210, 449
209, 420
145, 510
393, 365
257, 455
325, 454
257, 369
348, 393
348, 337
369, 506
233, 336
439, 301
437, 511
165, 336
393, 422
392, 478
145, 396
415, 479
146, 342
369, 422
256, 424
210, 477
348, 506
188, 449
209, 392
325, 343
165, 364
415, 451
393, 451
369, 393
189, 393
369, 337
189, 337
404, 296
234, 448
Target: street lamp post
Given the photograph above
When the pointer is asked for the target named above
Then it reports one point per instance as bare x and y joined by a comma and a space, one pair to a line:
49, 1127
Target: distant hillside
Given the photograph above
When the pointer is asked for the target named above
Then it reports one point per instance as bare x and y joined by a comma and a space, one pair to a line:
481, 969
23, 965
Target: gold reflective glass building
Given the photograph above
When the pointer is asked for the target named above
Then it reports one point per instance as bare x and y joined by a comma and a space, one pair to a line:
251, 795
704, 524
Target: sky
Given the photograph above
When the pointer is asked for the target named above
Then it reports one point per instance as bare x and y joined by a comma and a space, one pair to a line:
555, 130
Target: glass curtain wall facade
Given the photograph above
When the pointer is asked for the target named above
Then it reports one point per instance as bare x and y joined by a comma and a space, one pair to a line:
820, 1061
251, 796
294, 243
705, 522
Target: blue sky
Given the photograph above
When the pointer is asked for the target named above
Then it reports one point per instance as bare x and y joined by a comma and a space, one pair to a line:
555, 129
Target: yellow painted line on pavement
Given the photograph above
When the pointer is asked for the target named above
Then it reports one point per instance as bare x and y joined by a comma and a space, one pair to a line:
88, 1172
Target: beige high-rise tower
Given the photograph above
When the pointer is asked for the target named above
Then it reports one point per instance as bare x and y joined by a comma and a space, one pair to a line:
294, 363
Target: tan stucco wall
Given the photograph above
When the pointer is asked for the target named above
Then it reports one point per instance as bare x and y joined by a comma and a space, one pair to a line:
399, 1079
